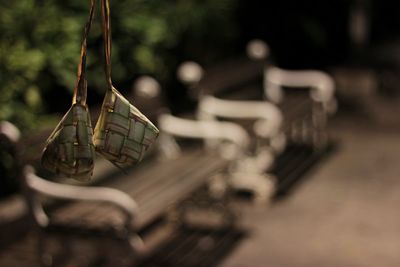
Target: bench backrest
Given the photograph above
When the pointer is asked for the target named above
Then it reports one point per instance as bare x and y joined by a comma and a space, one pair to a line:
266, 117
172, 126
321, 84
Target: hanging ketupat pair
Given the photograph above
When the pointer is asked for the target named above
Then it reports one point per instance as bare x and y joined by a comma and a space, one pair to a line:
122, 133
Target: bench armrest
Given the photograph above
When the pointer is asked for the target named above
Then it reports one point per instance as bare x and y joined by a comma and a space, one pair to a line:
321, 82
78, 193
269, 115
10, 131
207, 130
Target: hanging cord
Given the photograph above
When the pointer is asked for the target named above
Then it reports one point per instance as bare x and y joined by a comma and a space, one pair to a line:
106, 26
80, 90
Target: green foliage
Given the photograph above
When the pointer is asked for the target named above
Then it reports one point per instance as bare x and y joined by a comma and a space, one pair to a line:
40, 43
38, 51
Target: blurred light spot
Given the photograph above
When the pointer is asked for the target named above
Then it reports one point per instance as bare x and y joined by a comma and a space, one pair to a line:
146, 86
190, 72
257, 49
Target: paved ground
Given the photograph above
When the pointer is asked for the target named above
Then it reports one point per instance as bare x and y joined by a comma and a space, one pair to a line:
345, 214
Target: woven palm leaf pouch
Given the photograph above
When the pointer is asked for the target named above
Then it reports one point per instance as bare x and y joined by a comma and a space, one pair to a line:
122, 133
69, 149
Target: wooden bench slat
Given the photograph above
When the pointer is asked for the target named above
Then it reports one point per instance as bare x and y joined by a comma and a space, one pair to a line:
160, 174
187, 184
154, 188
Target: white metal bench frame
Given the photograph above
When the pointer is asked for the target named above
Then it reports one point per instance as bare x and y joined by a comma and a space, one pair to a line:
246, 173
322, 85
269, 118
35, 186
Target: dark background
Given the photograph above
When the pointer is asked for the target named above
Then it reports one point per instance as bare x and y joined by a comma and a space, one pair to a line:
307, 34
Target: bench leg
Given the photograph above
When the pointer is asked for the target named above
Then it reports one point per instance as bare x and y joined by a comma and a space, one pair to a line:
261, 186
319, 122
53, 250
45, 258
206, 210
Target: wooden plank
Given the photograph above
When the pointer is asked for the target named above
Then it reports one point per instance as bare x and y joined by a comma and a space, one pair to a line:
154, 186
183, 187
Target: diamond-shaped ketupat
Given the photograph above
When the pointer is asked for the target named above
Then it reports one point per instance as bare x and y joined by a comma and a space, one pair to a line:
122, 133
69, 149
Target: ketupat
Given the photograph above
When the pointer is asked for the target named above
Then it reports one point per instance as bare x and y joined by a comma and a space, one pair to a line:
69, 150
122, 133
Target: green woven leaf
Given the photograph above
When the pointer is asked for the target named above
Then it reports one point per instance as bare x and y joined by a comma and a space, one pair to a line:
69, 149
122, 133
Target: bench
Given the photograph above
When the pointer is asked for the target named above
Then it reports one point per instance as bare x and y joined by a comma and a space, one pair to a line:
262, 119
135, 201
305, 112
306, 99
14, 220
141, 198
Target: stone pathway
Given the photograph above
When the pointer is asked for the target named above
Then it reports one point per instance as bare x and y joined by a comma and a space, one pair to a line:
345, 214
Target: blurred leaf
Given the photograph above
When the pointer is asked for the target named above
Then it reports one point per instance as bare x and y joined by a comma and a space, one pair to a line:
40, 46
33, 98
